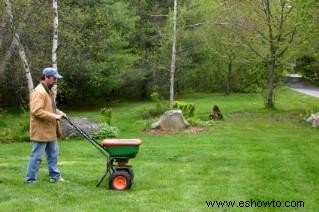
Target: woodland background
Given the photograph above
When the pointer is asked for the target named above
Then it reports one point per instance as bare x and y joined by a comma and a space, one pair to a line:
113, 49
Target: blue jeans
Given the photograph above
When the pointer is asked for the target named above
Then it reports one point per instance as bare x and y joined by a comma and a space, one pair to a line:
52, 152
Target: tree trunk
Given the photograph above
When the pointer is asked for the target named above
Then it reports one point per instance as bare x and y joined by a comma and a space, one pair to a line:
272, 57
270, 94
25, 63
55, 41
16, 41
171, 99
229, 73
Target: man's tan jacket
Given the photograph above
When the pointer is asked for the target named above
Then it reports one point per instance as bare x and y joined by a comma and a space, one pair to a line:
44, 126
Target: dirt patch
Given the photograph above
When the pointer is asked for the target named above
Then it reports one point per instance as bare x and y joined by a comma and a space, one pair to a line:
194, 130
190, 130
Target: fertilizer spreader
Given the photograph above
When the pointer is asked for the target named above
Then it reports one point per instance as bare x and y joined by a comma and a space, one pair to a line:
117, 153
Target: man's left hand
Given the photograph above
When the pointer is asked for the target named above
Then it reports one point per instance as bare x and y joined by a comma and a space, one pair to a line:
63, 114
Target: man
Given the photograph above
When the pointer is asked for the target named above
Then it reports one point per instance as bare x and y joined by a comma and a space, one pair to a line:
44, 127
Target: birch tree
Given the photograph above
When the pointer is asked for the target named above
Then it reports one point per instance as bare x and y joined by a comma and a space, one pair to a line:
173, 61
55, 41
17, 43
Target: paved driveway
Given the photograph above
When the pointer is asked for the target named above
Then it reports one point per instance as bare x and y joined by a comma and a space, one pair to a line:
305, 88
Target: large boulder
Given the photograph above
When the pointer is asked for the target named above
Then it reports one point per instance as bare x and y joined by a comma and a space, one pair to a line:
85, 124
172, 119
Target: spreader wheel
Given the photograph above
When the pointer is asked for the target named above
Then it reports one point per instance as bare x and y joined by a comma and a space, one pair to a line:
120, 180
129, 170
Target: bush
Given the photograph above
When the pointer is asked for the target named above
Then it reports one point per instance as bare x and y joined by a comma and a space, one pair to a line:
106, 131
149, 113
308, 66
160, 107
188, 109
106, 115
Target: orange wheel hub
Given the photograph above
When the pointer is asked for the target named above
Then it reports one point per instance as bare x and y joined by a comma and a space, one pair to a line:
119, 182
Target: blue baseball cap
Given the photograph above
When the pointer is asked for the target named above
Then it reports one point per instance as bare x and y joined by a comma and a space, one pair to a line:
51, 72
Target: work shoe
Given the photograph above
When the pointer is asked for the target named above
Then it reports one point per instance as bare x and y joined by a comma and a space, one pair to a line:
61, 180
31, 182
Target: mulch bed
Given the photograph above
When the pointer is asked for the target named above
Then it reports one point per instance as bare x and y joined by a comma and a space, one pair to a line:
190, 130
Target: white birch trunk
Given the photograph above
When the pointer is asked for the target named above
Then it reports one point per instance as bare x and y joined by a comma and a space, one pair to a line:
16, 41
55, 41
171, 98
25, 62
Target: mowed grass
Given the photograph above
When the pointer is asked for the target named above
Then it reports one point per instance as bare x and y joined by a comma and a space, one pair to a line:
255, 154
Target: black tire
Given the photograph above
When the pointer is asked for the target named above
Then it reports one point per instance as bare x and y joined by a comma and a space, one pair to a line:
129, 170
120, 180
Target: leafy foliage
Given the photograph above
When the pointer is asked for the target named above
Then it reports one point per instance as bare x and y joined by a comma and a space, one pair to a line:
188, 109
106, 131
122, 49
14, 127
160, 107
106, 115
308, 66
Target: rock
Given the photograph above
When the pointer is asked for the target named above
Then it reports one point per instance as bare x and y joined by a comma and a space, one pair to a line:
313, 119
172, 119
85, 124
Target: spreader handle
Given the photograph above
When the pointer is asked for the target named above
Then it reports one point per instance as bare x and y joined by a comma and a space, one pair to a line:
87, 136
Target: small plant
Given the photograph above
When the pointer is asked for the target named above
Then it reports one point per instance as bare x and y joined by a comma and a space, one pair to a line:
200, 123
106, 131
155, 97
160, 107
188, 109
106, 115
147, 124
148, 113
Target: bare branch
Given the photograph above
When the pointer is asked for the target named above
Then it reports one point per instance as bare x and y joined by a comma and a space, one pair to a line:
290, 41
248, 44
243, 26
196, 25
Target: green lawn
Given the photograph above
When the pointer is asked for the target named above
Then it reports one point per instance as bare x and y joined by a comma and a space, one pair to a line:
254, 155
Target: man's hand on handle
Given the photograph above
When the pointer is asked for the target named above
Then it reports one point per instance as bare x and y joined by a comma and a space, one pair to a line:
61, 115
